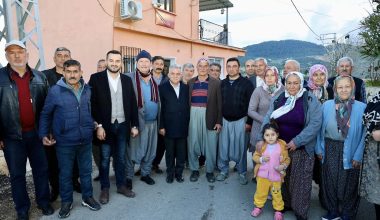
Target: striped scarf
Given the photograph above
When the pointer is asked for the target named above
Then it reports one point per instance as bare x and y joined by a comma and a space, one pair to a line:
153, 89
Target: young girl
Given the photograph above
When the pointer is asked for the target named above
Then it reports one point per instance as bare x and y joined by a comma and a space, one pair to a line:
271, 162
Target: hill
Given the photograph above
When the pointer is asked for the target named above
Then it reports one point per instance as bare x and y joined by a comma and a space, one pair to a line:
276, 52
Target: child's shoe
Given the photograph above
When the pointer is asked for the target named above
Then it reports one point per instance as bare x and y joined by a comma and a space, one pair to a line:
256, 212
278, 215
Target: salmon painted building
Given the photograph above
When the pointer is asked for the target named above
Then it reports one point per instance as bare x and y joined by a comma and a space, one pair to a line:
169, 28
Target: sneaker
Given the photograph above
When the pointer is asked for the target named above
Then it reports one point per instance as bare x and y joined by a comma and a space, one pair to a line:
179, 178
194, 176
91, 204
278, 215
46, 210
210, 177
243, 179
64, 212
221, 176
331, 216
256, 212
148, 180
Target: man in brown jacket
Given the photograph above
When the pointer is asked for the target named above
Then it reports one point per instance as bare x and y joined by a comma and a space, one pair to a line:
205, 120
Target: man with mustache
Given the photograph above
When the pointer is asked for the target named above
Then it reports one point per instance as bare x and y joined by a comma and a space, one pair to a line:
143, 147
61, 55
344, 66
114, 109
67, 115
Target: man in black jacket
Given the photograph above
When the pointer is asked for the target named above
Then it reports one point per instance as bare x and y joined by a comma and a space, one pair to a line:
174, 122
23, 91
114, 109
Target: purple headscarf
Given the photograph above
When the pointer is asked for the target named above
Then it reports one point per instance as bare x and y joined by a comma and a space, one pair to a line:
319, 91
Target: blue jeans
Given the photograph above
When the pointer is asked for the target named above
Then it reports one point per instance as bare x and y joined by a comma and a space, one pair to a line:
115, 146
66, 156
16, 153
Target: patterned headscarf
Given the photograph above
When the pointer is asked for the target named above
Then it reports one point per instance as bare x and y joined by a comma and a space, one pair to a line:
291, 99
371, 118
319, 91
344, 107
272, 89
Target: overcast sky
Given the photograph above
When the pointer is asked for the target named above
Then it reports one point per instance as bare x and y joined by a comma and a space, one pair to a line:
254, 21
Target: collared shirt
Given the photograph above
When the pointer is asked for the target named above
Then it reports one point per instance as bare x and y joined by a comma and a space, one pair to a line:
176, 88
25, 99
113, 82
259, 82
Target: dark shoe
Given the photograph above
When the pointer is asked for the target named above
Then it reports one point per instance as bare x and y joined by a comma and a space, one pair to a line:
210, 177
97, 178
23, 216
53, 196
104, 197
157, 169
65, 210
331, 216
125, 191
138, 173
179, 178
147, 179
169, 179
128, 184
46, 210
194, 176
91, 203
76, 187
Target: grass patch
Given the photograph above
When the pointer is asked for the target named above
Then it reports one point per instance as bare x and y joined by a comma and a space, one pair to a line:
373, 83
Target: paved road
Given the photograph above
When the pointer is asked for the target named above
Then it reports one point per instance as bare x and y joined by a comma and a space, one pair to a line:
200, 200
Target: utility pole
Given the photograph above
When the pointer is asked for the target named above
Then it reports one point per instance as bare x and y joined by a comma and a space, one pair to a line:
27, 24
330, 43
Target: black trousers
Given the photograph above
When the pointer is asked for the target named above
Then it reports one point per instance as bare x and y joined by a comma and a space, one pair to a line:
160, 150
175, 155
377, 209
53, 169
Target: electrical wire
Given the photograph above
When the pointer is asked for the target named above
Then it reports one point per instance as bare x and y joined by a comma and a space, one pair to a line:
105, 11
318, 37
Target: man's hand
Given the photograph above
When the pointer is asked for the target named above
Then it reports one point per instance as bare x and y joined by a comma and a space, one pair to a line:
291, 146
134, 132
259, 145
48, 141
217, 128
101, 133
376, 135
248, 127
2, 145
162, 131
356, 164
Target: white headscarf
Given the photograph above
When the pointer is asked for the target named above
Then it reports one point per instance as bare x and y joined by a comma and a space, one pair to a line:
291, 100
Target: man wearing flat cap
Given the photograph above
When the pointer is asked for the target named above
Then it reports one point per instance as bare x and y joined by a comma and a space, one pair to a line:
23, 92
143, 147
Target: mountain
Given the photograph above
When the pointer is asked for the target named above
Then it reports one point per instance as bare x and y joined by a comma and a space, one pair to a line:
276, 52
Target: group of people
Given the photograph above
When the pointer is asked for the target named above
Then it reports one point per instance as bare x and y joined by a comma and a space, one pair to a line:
296, 130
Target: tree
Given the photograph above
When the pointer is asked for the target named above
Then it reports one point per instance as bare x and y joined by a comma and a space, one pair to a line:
371, 46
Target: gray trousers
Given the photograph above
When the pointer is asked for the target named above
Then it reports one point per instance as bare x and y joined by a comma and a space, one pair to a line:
143, 149
201, 141
233, 146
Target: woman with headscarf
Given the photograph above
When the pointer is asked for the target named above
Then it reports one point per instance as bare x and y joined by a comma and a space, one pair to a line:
370, 178
317, 82
297, 112
340, 146
260, 101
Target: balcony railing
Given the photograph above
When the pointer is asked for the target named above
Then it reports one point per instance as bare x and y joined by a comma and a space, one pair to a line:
212, 32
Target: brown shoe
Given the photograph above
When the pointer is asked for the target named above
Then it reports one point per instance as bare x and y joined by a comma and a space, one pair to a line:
104, 196
127, 192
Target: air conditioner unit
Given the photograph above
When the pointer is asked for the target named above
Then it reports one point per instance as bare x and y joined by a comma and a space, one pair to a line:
130, 9
156, 3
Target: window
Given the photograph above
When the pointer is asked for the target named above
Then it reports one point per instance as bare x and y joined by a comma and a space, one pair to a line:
167, 5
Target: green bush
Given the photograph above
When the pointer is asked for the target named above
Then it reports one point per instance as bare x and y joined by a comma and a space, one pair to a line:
373, 83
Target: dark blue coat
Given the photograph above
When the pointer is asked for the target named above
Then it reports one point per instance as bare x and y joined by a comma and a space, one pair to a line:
69, 120
175, 112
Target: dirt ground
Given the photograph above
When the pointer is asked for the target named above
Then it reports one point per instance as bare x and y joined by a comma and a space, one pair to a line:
7, 210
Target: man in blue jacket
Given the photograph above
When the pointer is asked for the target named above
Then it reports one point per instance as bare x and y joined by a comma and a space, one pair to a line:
23, 91
67, 113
